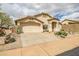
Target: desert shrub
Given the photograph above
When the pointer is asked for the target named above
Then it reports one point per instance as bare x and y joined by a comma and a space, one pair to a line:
61, 33
2, 33
19, 30
9, 39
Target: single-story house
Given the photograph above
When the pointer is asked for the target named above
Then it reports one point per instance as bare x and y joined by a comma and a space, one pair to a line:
37, 23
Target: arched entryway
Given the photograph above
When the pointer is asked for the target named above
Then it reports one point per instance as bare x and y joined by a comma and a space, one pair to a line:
53, 25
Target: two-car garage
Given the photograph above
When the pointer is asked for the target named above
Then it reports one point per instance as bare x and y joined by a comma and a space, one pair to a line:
30, 24
31, 27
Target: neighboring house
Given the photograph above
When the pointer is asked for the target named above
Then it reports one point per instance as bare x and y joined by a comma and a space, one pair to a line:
70, 25
37, 23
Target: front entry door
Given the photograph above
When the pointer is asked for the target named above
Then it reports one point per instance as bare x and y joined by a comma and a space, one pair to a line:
53, 25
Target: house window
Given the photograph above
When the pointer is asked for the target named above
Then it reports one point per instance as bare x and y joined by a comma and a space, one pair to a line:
45, 28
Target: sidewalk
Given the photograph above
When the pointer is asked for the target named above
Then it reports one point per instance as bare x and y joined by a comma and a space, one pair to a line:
45, 49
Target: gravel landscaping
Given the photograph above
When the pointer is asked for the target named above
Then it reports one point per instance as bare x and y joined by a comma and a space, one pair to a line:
13, 45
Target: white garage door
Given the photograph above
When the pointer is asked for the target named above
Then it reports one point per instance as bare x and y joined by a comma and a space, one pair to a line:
32, 27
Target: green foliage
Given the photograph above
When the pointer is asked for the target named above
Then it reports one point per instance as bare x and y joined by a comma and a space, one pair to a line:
2, 33
61, 33
9, 39
5, 20
19, 30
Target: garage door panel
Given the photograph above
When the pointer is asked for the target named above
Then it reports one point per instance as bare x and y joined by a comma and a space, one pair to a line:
32, 29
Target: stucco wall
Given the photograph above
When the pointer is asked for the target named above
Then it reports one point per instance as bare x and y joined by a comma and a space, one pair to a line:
43, 18
71, 27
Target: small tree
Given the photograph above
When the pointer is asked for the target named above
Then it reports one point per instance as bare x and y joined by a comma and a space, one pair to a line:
5, 22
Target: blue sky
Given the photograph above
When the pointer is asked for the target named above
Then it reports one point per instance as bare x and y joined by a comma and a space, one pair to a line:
59, 10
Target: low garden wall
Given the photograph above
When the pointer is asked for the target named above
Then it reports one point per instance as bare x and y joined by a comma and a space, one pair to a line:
74, 28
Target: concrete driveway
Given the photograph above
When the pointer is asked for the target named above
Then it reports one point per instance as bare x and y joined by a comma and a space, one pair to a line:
28, 39
56, 47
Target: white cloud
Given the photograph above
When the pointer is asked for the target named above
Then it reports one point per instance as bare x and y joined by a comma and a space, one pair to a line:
37, 6
27, 11
71, 16
12, 9
14, 18
59, 10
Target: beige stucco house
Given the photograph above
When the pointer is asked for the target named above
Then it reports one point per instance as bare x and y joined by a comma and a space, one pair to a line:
70, 25
38, 23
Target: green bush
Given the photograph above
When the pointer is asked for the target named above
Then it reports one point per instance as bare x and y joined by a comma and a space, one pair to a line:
9, 39
19, 30
61, 33
2, 33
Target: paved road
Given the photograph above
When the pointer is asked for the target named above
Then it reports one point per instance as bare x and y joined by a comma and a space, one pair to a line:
36, 38
73, 52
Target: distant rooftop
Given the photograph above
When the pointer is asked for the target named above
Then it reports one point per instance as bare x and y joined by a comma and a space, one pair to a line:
71, 20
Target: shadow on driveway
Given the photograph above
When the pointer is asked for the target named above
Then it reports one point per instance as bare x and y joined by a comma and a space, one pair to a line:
73, 52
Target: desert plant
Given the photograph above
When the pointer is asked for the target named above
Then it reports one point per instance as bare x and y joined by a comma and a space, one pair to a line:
5, 20
9, 39
2, 33
61, 33
19, 30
